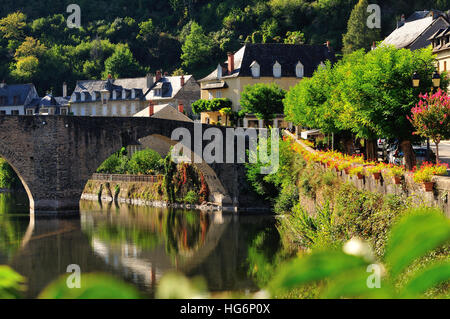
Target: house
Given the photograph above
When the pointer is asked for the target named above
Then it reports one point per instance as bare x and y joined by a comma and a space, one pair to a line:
174, 90
126, 97
111, 97
283, 64
48, 105
14, 97
414, 33
440, 42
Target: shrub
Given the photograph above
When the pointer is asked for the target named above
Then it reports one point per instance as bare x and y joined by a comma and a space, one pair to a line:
287, 199
145, 162
191, 197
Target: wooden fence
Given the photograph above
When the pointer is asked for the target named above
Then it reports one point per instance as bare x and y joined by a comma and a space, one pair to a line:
127, 178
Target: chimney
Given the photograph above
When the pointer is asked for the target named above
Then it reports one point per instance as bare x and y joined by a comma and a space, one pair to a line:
374, 46
182, 80
230, 62
151, 109
166, 74
150, 82
402, 18
180, 107
64, 89
158, 76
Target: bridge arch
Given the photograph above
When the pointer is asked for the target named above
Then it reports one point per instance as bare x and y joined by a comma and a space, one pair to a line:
55, 156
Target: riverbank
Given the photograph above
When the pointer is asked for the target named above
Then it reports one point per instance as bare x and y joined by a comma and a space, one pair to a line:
319, 209
150, 194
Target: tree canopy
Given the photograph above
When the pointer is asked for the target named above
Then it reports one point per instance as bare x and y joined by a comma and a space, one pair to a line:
263, 100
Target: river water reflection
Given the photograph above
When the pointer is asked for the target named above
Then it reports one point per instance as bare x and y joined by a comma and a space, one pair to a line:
135, 244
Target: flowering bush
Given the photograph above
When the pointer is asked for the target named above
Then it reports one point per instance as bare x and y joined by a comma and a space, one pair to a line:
426, 172
356, 170
395, 171
373, 169
431, 117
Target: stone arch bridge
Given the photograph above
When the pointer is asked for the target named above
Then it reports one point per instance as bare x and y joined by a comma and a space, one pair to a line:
54, 156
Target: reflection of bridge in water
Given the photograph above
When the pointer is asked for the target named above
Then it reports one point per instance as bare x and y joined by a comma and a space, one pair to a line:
218, 253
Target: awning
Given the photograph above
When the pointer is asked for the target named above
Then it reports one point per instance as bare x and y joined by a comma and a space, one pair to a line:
217, 85
307, 134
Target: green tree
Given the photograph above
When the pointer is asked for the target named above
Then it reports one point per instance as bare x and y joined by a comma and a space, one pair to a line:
294, 37
197, 48
263, 100
13, 25
359, 35
122, 63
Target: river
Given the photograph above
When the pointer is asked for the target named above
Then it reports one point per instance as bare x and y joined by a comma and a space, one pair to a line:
133, 243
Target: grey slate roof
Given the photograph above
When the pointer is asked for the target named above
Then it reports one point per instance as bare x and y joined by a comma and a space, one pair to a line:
47, 101
288, 55
415, 32
94, 87
24, 92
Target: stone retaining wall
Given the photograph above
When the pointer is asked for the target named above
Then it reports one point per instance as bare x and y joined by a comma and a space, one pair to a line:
439, 197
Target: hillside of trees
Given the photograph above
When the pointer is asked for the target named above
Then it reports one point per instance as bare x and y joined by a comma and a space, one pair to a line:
127, 38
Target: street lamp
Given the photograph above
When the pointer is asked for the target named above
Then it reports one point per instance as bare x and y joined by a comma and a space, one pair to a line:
436, 79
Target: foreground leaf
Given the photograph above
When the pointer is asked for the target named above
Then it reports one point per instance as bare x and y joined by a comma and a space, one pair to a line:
93, 286
415, 236
318, 266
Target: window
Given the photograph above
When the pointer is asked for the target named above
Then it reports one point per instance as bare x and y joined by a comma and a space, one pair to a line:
105, 111
2, 112
16, 100
210, 95
74, 111
14, 112
63, 111
114, 110
256, 70
94, 111
83, 111
299, 70
133, 109
277, 70
445, 65
3, 100
218, 94
124, 110
30, 112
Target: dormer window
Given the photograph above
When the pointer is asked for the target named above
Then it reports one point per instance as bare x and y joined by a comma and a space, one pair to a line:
277, 70
124, 94
114, 97
256, 70
133, 94
299, 70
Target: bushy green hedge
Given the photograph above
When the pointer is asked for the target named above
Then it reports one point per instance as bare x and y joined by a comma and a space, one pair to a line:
213, 105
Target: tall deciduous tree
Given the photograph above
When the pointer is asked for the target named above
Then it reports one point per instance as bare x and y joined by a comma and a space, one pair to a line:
196, 49
263, 100
359, 35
